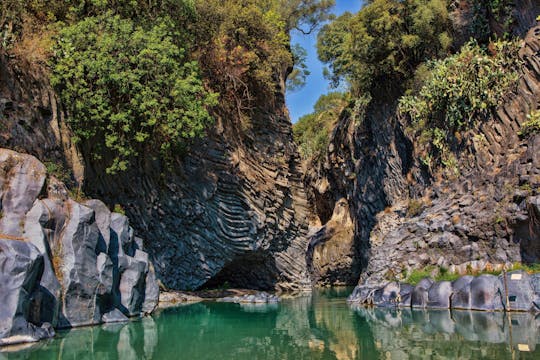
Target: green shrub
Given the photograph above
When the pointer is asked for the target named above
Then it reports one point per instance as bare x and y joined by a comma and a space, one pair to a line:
418, 274
312, 131
532, 125
119, 209
458, 91
128, 89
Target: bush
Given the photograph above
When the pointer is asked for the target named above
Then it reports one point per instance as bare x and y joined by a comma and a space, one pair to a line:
128, 89
312, 131
458, 91
532, 125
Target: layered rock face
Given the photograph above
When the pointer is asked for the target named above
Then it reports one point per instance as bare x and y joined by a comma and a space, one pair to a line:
64, 263
485, 217
233, 211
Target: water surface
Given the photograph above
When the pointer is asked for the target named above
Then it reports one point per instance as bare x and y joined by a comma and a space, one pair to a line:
317, 326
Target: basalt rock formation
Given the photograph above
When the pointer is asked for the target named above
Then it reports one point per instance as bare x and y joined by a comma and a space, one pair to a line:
232, 210
407, 216
64, 263
512, 291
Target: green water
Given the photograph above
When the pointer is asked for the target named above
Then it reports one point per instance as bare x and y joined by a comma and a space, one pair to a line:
319, 326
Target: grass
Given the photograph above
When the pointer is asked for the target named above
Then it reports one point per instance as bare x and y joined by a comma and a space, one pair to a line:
443, 274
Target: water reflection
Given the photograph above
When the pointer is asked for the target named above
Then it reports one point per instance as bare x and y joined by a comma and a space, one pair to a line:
315, 326
406, 333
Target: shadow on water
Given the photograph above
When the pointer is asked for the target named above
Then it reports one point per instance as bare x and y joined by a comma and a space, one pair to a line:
313, 326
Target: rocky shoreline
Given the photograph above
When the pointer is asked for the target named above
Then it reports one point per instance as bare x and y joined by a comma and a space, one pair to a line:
65, 263
512, 291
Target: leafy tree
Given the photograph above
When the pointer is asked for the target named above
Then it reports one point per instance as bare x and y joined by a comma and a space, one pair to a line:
297, 77
383, 43
128, 89
304, 15
312, 131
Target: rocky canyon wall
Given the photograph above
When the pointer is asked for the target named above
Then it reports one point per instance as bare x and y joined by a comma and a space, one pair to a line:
408, 217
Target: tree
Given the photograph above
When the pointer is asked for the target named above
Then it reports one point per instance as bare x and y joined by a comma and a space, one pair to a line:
312, 131
128, 89
297, 77
383, 43
304, 15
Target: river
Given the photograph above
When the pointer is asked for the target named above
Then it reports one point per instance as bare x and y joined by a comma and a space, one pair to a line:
316, 326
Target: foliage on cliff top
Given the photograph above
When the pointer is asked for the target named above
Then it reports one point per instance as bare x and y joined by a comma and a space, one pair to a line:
137, 76
129, 89
381, 45
458, 91
243, 46
312, 131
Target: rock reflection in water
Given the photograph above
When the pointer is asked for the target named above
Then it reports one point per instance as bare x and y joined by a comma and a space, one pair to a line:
407, 333
318, 326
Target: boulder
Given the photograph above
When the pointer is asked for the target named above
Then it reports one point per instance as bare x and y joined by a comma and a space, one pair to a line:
461, 295
362, 294
22, 266
389, 295
486, 293
21, 180
46, 303
405, 294
419, 296
439, 295
517, 284
65, 264
78, 267
151, 292
535, 283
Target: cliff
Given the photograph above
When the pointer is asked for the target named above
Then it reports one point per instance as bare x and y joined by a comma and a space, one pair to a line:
407, 216
232, 210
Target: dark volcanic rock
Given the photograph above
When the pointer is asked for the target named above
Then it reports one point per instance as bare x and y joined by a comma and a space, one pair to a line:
520, 292
407, 216
21, 266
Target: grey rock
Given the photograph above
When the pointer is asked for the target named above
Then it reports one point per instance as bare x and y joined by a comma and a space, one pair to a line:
114, 316
46, 304
517, 284
486, 293
439, 295
151, 292
22, 266
387, 295
419, 296
21, 180
80, 277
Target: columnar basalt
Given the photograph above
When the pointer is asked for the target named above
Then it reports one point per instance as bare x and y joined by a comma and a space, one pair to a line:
65, 263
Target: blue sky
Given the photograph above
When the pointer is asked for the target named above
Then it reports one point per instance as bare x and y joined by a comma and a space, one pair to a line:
301, 102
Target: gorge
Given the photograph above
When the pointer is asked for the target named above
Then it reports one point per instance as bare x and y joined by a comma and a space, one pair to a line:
105, 205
